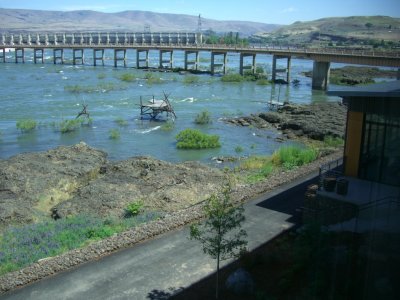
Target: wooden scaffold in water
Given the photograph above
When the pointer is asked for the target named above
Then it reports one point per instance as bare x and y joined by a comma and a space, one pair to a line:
154, 107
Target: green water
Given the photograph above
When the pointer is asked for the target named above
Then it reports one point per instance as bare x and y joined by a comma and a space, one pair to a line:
40, 92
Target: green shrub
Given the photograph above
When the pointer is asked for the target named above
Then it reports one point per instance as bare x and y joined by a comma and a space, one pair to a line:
239, 149
195, 139
121, 122
191, 79
127, 77
66, 126
114, 134
203, 118
101, 76
232, 78
259, 70
134, 208
26, 125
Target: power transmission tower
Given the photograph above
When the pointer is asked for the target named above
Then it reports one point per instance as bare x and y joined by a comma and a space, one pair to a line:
199, 24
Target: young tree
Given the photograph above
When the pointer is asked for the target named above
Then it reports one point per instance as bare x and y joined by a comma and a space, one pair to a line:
221, 234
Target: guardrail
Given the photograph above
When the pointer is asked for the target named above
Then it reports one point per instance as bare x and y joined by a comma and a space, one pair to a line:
180, 40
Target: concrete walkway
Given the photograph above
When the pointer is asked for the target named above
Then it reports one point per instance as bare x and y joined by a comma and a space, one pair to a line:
159, 267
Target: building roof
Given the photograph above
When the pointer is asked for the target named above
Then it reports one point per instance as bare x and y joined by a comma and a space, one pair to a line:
387, 89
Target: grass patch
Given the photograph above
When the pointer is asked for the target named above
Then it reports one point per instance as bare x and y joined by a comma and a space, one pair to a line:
100, 88
203, 118
263, 81
293, 156
127, 77
114, 134
239, 149
101, 76
257, 168
330, 141
121, 122
195, 139
71, 125
191, 79
232, 78
168, 126
26, 125
22, 246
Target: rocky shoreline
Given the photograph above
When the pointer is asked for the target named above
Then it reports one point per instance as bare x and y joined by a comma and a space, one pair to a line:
353, 75
71, 180
314, 121
170, 221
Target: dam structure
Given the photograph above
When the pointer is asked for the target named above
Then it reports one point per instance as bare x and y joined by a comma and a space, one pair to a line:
191, 43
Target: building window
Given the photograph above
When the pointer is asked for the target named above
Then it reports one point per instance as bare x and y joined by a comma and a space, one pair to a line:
380, 149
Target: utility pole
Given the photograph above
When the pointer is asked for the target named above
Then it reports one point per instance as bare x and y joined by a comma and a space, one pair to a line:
199, 34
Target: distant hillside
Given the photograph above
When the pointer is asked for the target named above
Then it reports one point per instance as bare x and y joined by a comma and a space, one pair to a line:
12, 20
338, 31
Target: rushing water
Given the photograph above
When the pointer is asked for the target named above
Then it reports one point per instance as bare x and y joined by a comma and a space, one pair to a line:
38, 92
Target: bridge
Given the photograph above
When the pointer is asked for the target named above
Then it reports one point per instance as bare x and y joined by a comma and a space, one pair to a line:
191, 43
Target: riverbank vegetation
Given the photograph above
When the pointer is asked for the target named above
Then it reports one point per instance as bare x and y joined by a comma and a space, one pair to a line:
257, 168
24, 245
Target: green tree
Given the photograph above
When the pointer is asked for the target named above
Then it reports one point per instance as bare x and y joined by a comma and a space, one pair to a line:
221, 234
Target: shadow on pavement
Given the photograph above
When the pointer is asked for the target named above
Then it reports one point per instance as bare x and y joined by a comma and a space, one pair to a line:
289, 201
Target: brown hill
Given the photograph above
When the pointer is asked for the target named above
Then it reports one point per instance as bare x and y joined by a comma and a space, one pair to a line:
17, 20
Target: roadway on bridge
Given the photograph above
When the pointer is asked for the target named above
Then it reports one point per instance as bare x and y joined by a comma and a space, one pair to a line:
164, 264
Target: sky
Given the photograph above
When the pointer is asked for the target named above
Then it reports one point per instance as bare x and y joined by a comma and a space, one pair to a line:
265, 11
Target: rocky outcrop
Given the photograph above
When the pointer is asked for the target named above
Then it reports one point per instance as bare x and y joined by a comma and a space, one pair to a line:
78, 179
160, 185
313, 121
31, 183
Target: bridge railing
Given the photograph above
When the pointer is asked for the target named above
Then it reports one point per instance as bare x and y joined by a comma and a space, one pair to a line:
171, 40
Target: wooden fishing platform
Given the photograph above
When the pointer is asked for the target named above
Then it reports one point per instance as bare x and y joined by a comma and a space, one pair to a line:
154, 107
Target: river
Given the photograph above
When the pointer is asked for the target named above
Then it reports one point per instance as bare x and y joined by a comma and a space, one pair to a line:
42, 92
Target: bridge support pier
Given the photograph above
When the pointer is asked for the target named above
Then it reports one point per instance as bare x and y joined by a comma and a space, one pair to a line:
119, 58
78, 55
194, 63
286, 70
3, 55
320, 75
19, 54
169, 59
140, 60
58, 54
38, 54
252, 67
96, 57
215, 65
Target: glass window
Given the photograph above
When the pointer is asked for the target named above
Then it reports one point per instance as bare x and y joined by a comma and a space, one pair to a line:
380, 153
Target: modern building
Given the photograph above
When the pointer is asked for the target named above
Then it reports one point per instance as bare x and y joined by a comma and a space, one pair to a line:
372, 144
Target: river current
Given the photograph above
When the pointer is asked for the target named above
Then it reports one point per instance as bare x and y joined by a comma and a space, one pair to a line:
45, 93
